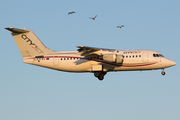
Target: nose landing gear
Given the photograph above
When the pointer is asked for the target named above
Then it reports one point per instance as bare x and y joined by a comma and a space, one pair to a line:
100, 74
163, 73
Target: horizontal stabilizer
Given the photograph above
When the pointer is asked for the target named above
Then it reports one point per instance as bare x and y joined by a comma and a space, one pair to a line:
15, 30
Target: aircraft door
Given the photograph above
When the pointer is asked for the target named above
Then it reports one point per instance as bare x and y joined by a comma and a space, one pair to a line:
56, 60
145, 57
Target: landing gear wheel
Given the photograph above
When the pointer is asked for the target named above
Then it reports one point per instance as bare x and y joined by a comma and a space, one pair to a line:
96, 74
100, 74
101, 77
163, 73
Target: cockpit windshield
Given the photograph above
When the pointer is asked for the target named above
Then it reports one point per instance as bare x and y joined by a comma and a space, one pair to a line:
158, 55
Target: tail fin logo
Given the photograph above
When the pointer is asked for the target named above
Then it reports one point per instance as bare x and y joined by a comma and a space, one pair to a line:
36, 48
27, 39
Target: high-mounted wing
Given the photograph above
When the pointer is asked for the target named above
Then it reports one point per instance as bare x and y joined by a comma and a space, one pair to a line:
108, 55
86, 51
93, 48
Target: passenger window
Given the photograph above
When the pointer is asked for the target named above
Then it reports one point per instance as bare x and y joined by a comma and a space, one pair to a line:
133, 55
126, 56
129, 56
136, 56
64, 58
139, 55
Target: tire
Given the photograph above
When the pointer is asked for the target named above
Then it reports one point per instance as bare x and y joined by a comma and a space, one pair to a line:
101, 77
96, 74
163, 73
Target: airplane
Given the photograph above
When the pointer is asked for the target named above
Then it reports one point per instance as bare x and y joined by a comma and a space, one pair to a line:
86, 59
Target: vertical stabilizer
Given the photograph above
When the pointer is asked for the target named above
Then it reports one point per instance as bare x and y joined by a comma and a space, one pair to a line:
28, 43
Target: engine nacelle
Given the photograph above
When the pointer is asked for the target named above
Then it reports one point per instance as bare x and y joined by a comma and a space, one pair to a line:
113, 57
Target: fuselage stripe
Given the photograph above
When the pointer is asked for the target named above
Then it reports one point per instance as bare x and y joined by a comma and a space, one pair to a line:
114, 64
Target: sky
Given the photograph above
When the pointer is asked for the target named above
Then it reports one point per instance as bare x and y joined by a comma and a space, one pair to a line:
30, 92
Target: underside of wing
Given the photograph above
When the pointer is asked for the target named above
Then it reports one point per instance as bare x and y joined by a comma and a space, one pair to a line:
85, 50
108, 55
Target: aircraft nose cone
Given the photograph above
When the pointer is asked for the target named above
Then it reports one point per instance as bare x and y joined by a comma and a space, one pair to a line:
168, 63
172, 63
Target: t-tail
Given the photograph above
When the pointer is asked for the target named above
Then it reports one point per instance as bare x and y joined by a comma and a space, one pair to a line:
28, 43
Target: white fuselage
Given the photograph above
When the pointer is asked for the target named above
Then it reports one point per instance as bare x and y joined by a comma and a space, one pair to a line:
86, 59
73, 62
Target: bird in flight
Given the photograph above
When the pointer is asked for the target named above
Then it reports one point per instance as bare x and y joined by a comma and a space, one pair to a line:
71, 12
93, 17
120, 26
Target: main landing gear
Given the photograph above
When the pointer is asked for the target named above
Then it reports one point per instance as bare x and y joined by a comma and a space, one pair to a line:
100, 74
163, 73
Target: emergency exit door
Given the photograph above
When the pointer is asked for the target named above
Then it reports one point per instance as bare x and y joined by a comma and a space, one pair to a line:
145, 57
56, 60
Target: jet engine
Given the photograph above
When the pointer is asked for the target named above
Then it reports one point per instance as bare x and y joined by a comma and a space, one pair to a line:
113, 57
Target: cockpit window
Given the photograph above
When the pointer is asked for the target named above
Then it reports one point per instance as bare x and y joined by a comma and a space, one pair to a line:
158, 55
